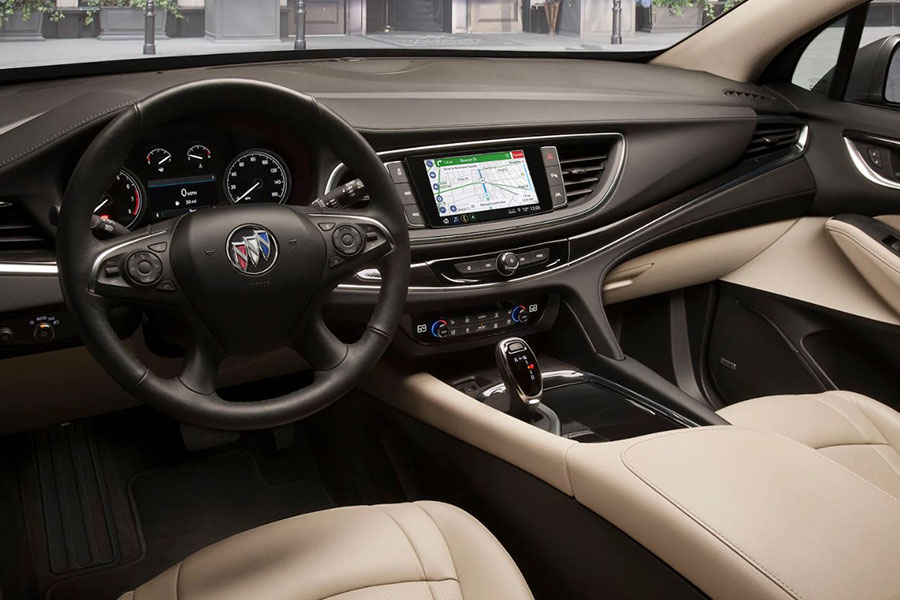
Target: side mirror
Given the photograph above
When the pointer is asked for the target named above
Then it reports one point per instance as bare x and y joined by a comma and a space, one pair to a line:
875, 78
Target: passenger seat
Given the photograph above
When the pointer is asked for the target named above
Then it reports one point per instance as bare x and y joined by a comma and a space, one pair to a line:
853, 430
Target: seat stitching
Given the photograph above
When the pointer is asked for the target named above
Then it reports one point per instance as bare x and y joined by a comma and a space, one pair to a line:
878, 450
178, 579
366, 587
411, 545
859, 407
839, 413
446, 543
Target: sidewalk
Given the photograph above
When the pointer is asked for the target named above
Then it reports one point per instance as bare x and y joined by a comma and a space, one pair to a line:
71, 51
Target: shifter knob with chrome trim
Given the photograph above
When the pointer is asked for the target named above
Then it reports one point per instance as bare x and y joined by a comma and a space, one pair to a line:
521, 374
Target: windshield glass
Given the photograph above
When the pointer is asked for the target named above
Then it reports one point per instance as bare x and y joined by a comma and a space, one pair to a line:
85, 31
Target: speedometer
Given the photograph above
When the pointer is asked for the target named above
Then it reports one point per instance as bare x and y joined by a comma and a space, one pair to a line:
257, 176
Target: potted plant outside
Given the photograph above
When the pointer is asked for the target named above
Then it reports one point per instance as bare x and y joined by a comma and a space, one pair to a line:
715, 9
22, 20
669, 15
124, 19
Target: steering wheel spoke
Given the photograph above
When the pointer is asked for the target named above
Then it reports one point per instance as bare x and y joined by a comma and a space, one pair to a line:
136, 269
202, 359
353, 239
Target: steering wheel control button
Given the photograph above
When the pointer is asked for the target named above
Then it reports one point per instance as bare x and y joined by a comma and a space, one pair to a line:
158, 247
166, 286
326, 226
398, 173
440, 329
252, 249
44, 332
111, 269
334, 261
347, 240
144, 268
507, 263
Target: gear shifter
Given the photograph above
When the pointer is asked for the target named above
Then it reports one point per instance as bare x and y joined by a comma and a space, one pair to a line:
521, 374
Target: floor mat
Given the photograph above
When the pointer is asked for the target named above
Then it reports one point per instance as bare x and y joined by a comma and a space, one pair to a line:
186, 507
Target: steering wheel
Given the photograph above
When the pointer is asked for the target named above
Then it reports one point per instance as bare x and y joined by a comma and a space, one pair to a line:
246, 278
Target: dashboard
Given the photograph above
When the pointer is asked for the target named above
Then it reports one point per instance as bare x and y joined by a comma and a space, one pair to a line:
203, 164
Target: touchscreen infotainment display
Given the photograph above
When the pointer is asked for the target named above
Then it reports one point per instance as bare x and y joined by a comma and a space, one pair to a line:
493, 185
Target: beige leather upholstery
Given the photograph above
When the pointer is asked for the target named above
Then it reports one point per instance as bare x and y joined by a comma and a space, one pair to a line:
425, 550
851, 429
746, 514
874, 260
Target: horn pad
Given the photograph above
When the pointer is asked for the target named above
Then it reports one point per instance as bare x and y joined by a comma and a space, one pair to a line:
249, 271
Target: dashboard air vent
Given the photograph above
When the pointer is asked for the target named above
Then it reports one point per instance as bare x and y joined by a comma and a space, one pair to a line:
18, 232
582, 168
773, 137
747, 95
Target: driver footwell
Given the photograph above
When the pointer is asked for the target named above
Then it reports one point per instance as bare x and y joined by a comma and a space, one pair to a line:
105, 505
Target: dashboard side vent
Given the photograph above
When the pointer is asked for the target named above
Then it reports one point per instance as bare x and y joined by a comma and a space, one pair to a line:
18, 231
747, 95
583, 167
772, 138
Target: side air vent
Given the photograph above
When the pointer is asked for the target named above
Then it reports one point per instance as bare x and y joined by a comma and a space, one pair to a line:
583, 167
747, 95
773, 138
18, 232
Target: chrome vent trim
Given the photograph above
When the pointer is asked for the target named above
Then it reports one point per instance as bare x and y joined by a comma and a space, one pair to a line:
773, 137
583, 167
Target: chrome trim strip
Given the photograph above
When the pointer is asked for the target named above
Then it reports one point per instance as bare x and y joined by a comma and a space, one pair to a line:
28, 269
863, 167
336, 172
95, 268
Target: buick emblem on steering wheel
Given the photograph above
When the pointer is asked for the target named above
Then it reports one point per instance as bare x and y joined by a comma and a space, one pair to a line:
251, 249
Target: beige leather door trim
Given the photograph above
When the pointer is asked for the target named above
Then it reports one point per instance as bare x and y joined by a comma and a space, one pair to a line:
878, 265
690, 263
806, 264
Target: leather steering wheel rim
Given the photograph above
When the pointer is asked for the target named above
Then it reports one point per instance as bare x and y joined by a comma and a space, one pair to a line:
191, 396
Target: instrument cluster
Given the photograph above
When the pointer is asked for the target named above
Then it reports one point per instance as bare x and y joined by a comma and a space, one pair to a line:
186, 171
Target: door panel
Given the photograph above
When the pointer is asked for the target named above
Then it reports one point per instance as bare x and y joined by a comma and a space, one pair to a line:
324, 17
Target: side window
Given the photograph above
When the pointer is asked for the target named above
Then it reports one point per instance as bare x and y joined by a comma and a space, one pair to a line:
815, 68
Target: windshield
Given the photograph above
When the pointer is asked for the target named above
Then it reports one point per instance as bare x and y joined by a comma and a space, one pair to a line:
86, 31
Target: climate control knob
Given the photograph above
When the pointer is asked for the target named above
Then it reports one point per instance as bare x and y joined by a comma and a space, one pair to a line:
440, 329
519, 314
44, 332
507, 263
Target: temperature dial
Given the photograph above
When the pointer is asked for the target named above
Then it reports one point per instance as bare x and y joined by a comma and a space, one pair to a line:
519, 314
440, 329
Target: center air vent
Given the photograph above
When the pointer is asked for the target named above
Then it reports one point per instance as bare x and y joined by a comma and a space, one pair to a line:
773, 137
18, 231
582, 168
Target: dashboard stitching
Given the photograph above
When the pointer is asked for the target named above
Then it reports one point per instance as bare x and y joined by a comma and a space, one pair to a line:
62, 132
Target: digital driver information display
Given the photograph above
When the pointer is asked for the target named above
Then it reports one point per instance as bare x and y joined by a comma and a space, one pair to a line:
463, 186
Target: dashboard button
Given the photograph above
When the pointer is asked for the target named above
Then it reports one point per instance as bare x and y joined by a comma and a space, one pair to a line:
475, 266
507, 263
558, 194
405, 192
44, 332
6, 335
554, 176
535, 257
549, 156
414, 215
398, 173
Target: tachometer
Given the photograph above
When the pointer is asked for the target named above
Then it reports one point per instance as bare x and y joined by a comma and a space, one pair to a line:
257, 176
123, 200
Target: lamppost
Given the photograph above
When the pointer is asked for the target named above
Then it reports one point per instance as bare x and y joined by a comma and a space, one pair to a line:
300, 39
616, 23
150, 28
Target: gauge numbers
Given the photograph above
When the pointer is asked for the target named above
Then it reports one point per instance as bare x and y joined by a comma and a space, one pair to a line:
123, 200
257, 176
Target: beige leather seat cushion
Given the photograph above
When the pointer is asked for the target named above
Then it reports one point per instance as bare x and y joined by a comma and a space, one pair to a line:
851, 429
425, 550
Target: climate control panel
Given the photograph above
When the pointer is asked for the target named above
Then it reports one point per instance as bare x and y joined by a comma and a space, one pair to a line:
434, 328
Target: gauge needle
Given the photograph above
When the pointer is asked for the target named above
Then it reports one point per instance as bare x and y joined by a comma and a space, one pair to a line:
102, 204
169, 157
195, 156
244, 195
